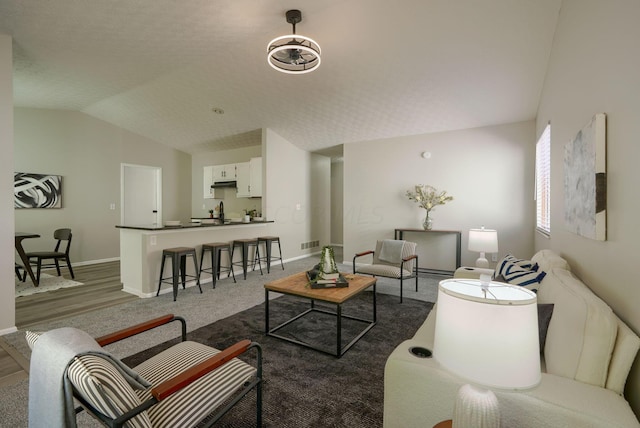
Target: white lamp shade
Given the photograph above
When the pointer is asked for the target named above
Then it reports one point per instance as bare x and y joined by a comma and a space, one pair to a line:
491, 341
483, 240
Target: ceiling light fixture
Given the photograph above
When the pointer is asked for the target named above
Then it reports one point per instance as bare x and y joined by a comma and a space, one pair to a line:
293, 53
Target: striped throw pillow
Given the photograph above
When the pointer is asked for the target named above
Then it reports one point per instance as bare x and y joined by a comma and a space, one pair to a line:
517, 275
510, 259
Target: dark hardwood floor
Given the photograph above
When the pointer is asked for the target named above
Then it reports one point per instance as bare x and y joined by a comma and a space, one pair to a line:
13, 366
102, 288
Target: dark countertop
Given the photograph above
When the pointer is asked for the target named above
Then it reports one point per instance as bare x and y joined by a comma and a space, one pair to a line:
190, 225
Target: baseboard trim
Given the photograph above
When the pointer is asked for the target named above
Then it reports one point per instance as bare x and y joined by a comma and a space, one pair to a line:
95, 262
8, 330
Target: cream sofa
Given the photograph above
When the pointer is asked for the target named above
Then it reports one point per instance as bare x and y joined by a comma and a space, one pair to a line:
586, 360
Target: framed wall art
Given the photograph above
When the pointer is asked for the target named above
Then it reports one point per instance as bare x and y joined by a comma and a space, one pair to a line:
585, 181
37, 190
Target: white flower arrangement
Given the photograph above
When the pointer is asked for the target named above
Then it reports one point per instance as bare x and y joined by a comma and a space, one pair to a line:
428, 197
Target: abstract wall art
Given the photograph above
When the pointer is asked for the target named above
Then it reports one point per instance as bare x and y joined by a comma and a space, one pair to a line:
37, 190
585, 181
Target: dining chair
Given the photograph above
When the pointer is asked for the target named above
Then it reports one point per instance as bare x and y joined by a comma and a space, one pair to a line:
56, 255
19, 272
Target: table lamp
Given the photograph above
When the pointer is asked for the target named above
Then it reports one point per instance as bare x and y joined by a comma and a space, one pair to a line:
483, 241
487, 333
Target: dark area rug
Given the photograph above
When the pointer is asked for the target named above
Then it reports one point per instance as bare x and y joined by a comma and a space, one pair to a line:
304, 387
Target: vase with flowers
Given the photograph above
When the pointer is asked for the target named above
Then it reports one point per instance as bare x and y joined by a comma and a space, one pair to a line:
428, 197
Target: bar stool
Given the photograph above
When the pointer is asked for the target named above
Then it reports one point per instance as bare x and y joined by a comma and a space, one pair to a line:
178, 256
268, 241
245, 245
216, 249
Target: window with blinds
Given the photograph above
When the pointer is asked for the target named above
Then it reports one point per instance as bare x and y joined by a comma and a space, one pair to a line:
543, 182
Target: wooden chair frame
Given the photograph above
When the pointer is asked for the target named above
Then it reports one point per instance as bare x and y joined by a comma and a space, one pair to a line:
59, 235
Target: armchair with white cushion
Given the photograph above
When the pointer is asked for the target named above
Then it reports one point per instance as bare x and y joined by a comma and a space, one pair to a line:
391, 259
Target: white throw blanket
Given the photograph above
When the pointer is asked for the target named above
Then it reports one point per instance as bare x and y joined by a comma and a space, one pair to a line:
50, 392
391, 251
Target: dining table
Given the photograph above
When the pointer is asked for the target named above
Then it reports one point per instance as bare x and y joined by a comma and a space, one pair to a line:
20, 236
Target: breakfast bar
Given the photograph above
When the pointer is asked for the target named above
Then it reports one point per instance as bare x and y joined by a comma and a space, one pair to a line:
141, 248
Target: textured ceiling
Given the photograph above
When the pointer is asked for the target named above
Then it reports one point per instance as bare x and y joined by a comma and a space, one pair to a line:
158, 67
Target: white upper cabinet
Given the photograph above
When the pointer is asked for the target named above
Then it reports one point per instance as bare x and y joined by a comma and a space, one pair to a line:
255, 186
208, 192
247, 175
224, 172
243, 180
249, 179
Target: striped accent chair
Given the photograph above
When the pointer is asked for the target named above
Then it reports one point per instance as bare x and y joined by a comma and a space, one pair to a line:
405, 267
190, 382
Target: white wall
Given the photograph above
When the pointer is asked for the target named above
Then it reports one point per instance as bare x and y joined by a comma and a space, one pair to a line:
320, 214
337, 201
88, 152
7, 297
593, 68
291, 175
488, 171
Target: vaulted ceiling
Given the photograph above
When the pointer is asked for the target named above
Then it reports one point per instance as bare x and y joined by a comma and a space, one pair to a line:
159, 67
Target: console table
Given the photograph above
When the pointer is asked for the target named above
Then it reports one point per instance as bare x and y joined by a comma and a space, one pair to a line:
399, 234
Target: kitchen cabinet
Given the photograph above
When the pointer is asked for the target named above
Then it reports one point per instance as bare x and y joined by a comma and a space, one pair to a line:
255, 185
207, 181
243, 179
249, 178
224, 172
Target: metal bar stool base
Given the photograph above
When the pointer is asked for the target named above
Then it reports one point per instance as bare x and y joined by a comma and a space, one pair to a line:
216, 269
268, 258
178, 256
244, 245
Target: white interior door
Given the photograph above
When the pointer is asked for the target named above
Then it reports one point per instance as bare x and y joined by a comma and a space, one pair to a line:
141, 190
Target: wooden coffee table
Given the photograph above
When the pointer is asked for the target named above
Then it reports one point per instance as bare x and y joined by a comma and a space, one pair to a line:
296, 285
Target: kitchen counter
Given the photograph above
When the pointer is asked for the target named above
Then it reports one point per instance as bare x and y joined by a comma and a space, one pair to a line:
190, 225
141, 250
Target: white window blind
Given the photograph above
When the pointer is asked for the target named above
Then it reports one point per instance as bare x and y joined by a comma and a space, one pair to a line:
543, 181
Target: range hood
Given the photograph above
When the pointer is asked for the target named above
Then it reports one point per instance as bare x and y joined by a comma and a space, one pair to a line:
222, 184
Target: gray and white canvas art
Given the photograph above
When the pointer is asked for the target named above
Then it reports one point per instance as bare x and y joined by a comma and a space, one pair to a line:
585, 181
37, 190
